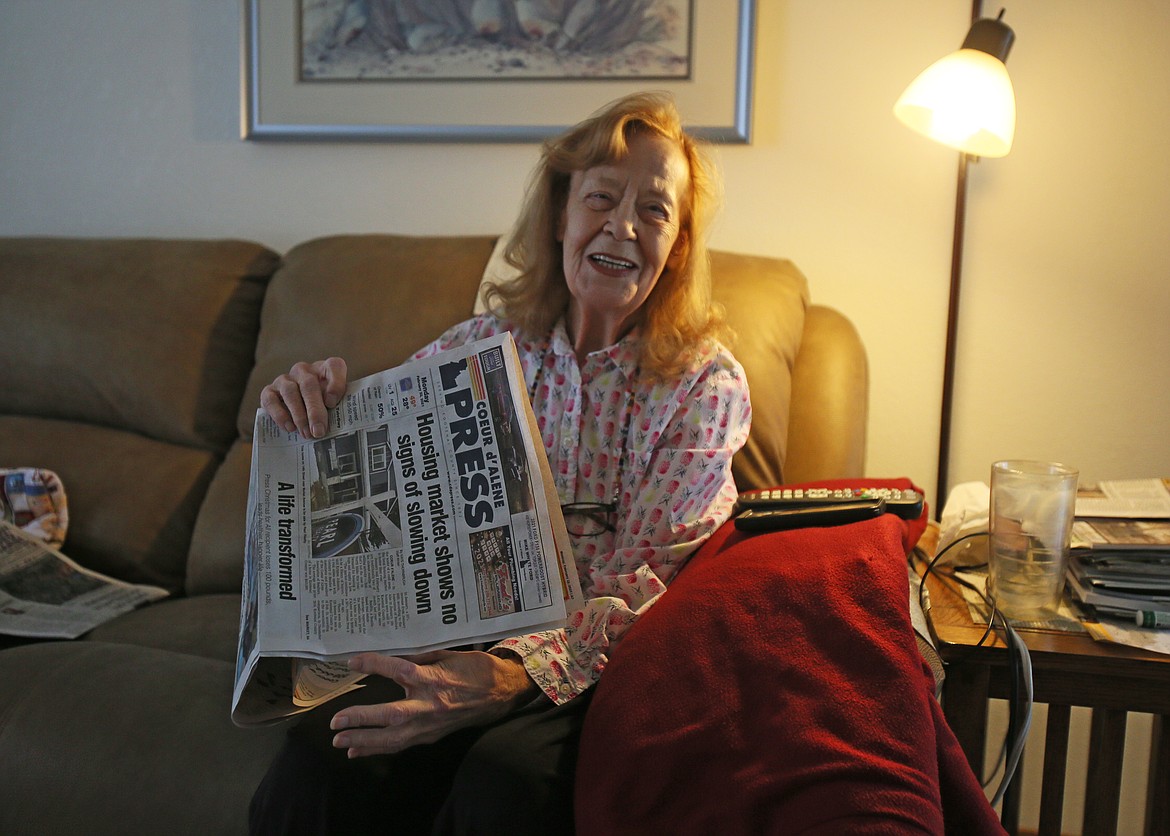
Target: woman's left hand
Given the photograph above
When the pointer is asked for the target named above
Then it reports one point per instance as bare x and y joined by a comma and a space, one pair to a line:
445, 691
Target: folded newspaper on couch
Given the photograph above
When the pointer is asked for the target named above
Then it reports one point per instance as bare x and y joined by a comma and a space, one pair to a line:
44, 594
426, 518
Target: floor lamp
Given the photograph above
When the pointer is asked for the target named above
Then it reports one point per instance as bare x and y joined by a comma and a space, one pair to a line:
965, 101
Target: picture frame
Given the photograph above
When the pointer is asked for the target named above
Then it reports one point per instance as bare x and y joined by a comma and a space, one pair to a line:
715, 98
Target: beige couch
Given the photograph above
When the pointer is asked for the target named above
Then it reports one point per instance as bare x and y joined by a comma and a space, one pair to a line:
132, 368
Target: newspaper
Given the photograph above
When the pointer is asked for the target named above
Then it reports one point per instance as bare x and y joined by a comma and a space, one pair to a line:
1125, 498
44, 594
1112, 536
426, 518
1123, 515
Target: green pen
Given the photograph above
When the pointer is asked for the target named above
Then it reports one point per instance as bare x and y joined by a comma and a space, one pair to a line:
1150, 618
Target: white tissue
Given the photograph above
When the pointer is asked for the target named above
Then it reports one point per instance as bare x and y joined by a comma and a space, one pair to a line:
967, 511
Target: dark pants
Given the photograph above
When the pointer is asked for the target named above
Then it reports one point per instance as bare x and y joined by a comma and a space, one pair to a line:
513, 777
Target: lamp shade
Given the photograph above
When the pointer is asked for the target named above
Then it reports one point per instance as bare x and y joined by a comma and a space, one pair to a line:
965, 100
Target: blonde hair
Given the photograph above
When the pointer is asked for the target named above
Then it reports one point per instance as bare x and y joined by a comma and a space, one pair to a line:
679, 313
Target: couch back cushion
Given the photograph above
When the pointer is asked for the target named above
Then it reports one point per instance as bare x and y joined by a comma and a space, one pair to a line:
151, 336
133, 500
765, 299
371, 299
123, 362
375, 299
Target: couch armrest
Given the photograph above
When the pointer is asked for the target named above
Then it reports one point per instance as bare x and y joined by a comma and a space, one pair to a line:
830, 401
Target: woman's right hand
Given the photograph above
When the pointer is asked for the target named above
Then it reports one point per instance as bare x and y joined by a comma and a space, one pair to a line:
299, 400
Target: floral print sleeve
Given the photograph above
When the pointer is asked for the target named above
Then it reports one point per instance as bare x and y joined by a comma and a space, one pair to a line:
659, 451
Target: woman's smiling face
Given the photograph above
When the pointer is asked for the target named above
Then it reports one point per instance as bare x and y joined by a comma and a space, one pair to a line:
620, 226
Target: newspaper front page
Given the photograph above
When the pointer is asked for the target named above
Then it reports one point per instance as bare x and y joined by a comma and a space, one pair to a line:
426, 518
44, 594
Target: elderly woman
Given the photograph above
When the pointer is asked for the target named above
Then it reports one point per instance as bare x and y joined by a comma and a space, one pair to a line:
640, 408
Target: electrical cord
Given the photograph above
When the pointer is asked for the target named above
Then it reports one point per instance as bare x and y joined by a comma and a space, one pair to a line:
1020, 710
951, 576
1020, 670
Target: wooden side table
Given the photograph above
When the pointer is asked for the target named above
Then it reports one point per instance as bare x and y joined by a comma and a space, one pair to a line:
1068, 669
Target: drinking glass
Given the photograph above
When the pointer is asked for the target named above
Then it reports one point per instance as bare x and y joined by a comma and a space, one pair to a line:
1032, 505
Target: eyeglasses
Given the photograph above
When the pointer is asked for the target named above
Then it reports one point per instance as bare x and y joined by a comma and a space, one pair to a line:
589, 519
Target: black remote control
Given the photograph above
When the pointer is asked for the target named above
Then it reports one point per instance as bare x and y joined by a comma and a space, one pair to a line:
901, 502
808, 516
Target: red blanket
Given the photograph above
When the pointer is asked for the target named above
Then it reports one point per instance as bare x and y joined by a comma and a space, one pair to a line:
777, 688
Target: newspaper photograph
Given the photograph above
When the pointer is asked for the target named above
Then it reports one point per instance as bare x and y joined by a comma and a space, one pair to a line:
424, 519
44, 594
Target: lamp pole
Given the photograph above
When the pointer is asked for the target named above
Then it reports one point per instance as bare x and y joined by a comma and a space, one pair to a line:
948, 386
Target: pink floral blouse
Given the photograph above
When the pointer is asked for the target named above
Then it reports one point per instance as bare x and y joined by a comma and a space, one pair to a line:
662, 449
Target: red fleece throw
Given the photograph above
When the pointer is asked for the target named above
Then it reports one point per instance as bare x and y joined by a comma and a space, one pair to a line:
777, 688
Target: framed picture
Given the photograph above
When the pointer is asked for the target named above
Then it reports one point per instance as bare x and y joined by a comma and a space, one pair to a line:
487, 70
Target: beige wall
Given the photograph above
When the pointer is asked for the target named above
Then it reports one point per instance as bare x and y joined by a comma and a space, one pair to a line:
120, 117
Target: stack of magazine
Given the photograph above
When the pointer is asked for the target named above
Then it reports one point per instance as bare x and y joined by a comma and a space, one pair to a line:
1119, 565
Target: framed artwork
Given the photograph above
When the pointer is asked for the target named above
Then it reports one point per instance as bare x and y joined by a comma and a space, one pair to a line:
487, 70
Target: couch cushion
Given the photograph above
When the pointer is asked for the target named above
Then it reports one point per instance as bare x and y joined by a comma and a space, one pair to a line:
329, 298
100, 738
202, 625
830, 401
151, 336
132, 500
216, 559
375, 299
765, 299
371, 299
